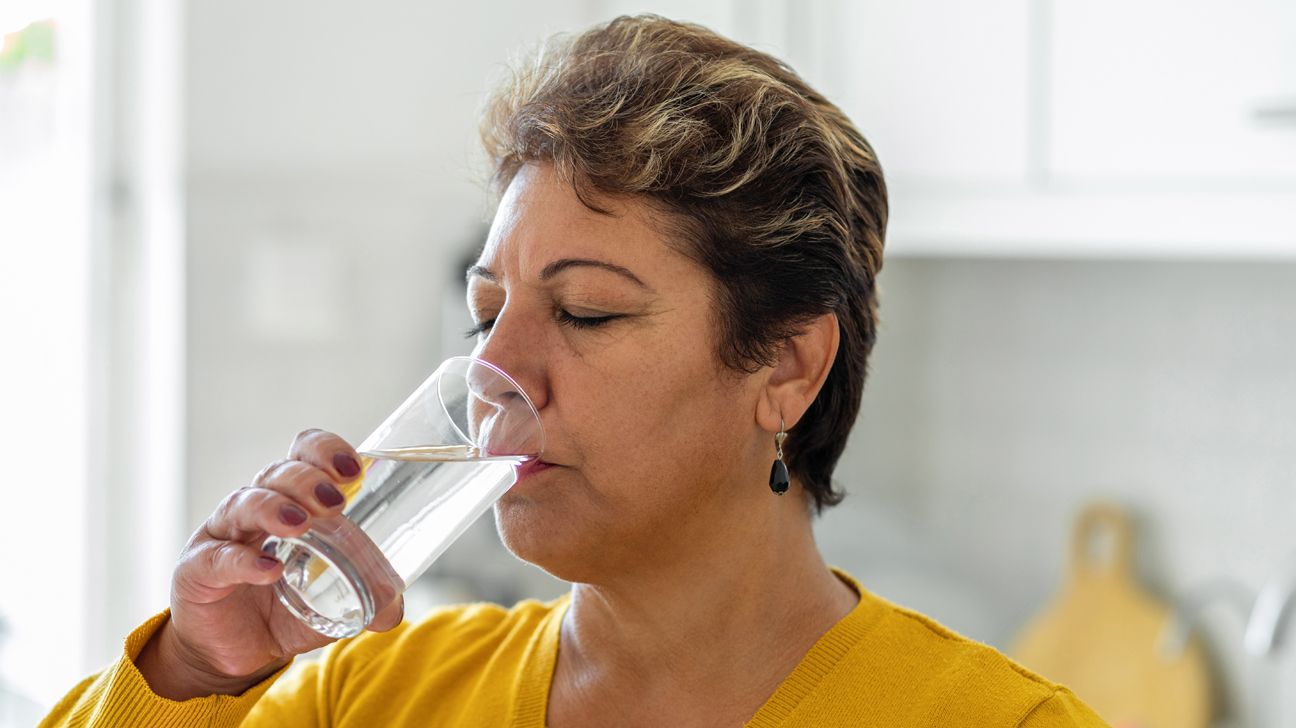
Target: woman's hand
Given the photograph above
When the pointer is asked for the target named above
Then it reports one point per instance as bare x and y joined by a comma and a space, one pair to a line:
227, 630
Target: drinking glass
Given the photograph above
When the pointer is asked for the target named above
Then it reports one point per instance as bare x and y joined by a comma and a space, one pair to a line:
431, 469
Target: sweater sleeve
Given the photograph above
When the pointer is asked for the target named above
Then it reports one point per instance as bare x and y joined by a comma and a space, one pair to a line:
1062, 709
120, 696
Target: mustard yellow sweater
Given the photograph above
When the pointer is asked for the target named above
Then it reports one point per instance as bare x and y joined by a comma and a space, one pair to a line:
483, 665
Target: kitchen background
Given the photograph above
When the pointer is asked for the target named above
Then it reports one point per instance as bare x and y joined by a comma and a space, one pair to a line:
225, 222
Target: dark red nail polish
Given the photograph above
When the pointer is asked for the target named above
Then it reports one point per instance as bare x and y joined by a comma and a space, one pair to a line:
265, 563
328, 495
292, 515
346, 465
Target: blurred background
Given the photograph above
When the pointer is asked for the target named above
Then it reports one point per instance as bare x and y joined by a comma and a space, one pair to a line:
222, 223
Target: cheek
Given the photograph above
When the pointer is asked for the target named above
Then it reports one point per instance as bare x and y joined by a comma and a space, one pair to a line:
655, 435
656, 426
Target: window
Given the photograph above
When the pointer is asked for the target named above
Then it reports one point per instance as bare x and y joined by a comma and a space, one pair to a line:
91, 313
45, 97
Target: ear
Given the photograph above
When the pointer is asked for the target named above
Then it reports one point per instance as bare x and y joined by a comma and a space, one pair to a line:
803, 366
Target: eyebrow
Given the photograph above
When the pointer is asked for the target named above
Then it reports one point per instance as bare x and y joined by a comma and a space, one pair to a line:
559, 266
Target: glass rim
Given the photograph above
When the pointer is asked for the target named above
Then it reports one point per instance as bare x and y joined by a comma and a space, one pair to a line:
516, 387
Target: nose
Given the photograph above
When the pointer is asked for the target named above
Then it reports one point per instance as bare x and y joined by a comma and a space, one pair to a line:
515, 346
500, 419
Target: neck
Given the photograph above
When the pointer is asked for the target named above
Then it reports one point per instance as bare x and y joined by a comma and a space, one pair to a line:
716, 604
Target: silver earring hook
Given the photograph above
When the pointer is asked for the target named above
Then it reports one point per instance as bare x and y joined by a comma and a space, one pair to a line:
779, 438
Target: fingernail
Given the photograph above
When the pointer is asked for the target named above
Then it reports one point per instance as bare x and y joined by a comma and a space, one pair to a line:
328, 495
346, 465
292, 515
265, 563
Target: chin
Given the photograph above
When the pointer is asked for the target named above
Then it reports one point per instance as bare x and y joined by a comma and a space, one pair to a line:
545, 535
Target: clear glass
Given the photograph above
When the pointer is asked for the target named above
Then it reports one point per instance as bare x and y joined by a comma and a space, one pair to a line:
432, 468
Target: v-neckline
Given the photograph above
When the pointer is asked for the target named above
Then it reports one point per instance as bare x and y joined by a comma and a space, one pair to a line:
540, 660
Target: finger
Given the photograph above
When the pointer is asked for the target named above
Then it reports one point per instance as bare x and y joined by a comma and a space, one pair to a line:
248, 514
328, 452
389, 617
215, 568
306, 484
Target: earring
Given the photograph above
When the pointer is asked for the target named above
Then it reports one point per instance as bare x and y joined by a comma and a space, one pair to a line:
779, 472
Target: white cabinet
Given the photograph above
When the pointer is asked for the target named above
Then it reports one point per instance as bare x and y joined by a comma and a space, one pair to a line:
1046, 128
1169, 92
939, 87
1149, 128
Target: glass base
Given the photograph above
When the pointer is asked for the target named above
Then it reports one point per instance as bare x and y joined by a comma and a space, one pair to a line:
321, 586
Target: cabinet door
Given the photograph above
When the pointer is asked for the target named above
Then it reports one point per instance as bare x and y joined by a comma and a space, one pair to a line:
939, 87
1165, 92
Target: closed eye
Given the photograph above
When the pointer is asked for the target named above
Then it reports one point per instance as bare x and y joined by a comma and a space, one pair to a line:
565, 318
585, 322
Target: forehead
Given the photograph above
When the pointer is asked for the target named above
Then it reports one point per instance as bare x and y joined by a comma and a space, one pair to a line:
540, 218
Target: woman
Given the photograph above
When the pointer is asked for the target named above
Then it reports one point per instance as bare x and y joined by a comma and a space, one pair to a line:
681, 273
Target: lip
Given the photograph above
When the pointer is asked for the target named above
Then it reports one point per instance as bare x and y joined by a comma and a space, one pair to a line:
531, 468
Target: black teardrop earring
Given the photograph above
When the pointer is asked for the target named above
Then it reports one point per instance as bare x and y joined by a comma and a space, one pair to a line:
779, 471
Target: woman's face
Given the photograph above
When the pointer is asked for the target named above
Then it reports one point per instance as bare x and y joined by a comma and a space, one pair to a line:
654, 445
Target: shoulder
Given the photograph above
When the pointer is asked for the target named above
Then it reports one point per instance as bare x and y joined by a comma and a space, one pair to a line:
959, 661
1062, 708
942, 674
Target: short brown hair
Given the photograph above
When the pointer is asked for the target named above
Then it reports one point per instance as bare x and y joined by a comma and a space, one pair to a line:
767, 185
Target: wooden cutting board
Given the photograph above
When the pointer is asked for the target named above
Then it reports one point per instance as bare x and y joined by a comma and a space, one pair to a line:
1102, 634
